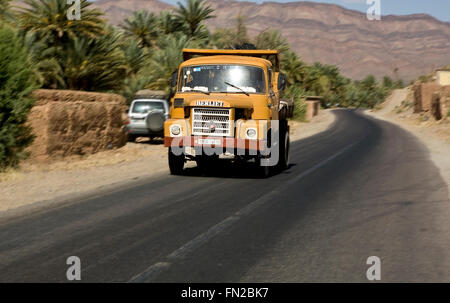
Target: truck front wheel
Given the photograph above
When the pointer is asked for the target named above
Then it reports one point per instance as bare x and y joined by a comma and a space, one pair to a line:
263, 170
283, 162
176, 163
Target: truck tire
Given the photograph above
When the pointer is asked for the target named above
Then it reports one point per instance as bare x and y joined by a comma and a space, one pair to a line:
283, 162
176, 163
131, 138
263, 171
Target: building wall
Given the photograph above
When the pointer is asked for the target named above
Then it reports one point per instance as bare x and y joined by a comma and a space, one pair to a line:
312, 109
443, 77
422, 95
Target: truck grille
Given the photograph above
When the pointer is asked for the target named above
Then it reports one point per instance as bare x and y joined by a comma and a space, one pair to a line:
211, 122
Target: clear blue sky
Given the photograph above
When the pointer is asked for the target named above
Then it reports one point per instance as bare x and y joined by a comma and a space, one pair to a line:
440, 9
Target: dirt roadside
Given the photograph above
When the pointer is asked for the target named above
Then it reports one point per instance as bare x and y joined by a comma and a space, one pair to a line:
47, 182
434, 134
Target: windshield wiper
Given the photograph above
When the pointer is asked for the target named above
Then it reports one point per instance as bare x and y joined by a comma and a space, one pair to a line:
237, 87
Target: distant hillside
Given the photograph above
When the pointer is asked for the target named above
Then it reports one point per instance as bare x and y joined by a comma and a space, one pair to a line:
117, 10
414, 44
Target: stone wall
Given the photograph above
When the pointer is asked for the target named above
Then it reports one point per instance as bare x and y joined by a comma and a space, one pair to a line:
68, 123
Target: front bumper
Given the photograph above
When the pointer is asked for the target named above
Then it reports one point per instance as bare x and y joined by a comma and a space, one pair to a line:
216, 142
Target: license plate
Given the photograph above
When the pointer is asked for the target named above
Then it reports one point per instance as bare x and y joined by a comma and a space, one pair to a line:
209, 141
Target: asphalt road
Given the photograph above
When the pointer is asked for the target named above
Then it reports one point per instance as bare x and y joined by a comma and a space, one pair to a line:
363, 188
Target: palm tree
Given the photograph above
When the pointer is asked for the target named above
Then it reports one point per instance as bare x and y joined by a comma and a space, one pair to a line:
168, 23
143, 26
165, 60
192, 15
241, 36
233, 38
5, 11
323, 79
95, 64
222, 38
293, 67
44, 61
48, 19
272, 39
135, 56
297, 93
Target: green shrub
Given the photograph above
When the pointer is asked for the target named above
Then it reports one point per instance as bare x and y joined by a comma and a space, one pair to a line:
300, 110
6, 15
17, 81
297, 93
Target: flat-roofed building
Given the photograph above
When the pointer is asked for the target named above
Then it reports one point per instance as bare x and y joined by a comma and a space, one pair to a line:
443, 77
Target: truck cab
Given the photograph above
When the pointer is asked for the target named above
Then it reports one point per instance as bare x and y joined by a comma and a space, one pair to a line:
227, 102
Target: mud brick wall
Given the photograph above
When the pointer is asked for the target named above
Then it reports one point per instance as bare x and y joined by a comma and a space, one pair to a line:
312, 109
445, 102
423, 94
68, 123
440, 103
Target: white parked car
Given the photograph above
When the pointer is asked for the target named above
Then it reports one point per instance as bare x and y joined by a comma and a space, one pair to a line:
147, 116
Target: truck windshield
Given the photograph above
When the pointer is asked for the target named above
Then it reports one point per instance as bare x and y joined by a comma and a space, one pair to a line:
143, 107
223, 79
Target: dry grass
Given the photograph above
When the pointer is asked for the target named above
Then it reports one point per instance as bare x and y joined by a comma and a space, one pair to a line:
132, 151
10, 175
129, 152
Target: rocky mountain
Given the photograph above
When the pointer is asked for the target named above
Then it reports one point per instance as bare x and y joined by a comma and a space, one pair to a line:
398, 46
117, 10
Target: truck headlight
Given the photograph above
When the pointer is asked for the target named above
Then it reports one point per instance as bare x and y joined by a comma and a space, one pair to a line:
251, 133
175, 130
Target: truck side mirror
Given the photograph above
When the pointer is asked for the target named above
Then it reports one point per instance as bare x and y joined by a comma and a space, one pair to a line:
281, 81
173, 81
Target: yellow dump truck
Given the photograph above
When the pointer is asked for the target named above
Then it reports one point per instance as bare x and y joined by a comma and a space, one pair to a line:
227, 105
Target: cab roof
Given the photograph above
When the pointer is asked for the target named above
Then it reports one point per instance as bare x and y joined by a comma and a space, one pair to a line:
231, 56
239, 60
